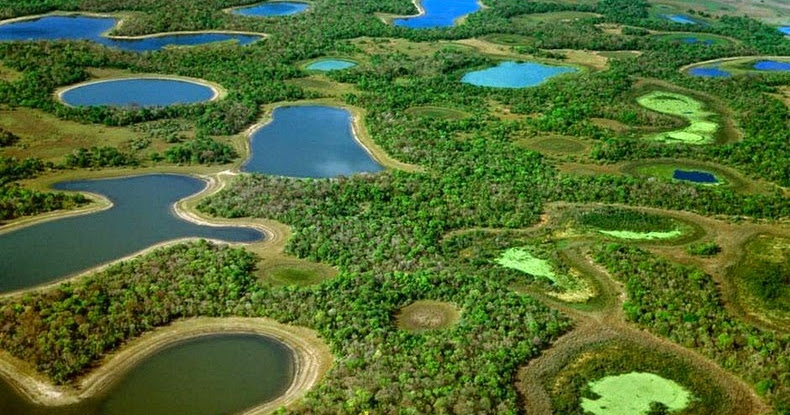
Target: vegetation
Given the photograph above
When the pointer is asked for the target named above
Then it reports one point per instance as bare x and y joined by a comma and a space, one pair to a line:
399, 237
704, 249
427, 315
700, 129
635, 393
7, 138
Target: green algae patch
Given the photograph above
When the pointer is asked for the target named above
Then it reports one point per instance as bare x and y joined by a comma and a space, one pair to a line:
701, 130
643, 235
633, 393
520, 259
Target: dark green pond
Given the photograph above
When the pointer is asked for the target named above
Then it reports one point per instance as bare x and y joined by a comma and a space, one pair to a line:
142, 215
213, 375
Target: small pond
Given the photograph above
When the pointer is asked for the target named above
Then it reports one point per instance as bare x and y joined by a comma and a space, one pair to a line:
209, 375
137, 92
515, 75
308, 141
78, 27
709, 72
142, 215
694, 40
439, 13
695, 176
326, 65
680, 18
769, 65
785, 29
272, 9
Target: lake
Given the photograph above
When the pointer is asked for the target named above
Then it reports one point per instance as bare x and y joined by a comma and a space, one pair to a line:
271, 9
138, 92
208, 375
695, 176
142, 216
515, 75
785, 29
694, 40
326, 65
680, 18
709, 72
439, 13
308, 141
769, 65
79, 27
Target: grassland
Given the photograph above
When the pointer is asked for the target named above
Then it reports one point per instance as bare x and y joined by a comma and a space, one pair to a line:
702, 38
522, 260
634, 393
295, 272
425, 315
664, 169
442, 113
565, 16
509, 39
701, 129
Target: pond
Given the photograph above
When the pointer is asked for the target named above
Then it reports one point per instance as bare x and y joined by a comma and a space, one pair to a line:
271, 9
326, 65
308, 141
769, 65
78, 27
694, 40
515, 75
709, 72
137, 92
438, 13
695, 176
142, 215
679, 18
209, 375
785, 29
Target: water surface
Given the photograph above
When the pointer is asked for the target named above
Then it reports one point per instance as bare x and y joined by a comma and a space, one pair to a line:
142, 216
326, 65
768, 65
515, 75
680, 18
695, 40
270, 9
77, 27
308, 141
211, 375
439, 13
695, 176
785, 29
138, 92
709, 72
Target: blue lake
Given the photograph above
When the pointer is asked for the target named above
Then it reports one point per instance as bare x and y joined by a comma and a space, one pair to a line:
785, 29
138, 92
694, 176
515, 75
772, 66
92, 28
694, 40
270, 9
308, 141
326, 65
208, 375
709, 72
680, 18
439, 13
142, 215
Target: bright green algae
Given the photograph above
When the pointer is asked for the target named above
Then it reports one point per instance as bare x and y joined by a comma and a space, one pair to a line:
632, 393
700, 129
643, 235
520, 259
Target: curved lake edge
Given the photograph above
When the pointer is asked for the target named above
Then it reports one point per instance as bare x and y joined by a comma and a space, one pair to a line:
312, 359
218, 91
231, 10
358, 131
120, 17
389, 19
274, 234
685, 68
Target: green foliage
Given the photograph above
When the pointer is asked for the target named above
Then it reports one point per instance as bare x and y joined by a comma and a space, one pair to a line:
96, 157
202, 150
682, 303
7, 138
619, 219
710, 248
16, 202
770, 283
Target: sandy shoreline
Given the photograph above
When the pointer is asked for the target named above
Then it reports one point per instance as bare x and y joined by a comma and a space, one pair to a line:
312, 360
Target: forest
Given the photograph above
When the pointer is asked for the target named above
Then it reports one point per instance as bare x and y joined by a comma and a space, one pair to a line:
399, 236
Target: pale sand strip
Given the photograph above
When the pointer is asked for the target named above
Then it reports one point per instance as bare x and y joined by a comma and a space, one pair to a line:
312, 360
